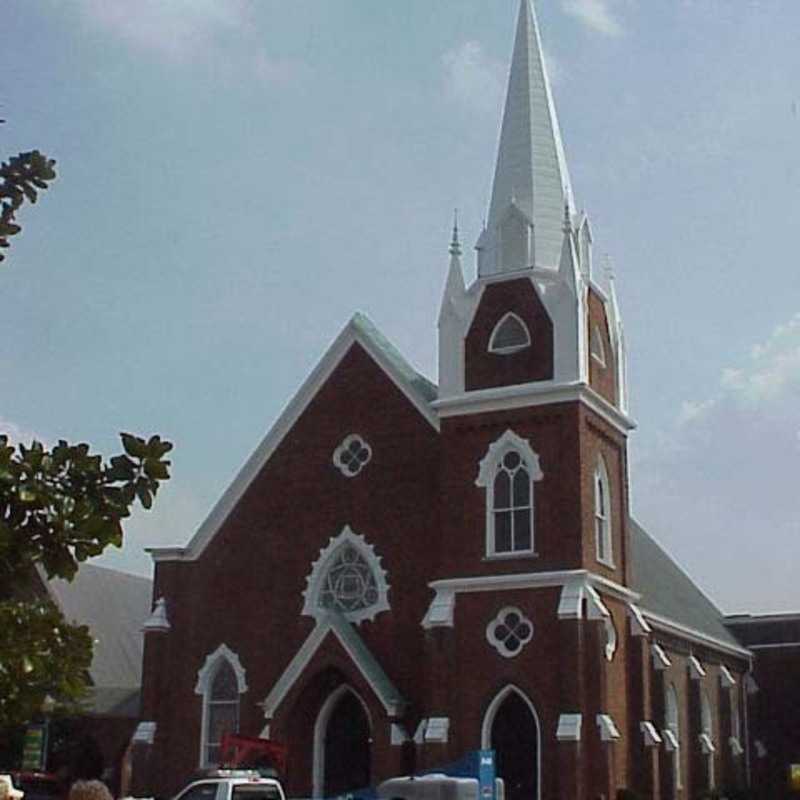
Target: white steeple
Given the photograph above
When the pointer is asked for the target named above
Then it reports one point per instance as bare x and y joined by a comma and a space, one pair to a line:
531, 182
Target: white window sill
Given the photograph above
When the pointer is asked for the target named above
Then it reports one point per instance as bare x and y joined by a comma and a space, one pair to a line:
510, 556
606, 563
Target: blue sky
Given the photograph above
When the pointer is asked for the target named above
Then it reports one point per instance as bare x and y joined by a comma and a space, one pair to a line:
237, 178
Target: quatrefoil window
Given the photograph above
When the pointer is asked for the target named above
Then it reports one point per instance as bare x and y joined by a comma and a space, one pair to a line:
352, 455
509, 632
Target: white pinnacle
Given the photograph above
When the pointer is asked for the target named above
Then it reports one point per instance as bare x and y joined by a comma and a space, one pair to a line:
531, 170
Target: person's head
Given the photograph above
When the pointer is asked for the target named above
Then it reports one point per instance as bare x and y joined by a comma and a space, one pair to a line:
89, 790
7, 790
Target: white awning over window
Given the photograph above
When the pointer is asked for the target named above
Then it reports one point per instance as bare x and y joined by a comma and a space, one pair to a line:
696, 670
726, 677
735, 745
706, 744
670, 740
660, 658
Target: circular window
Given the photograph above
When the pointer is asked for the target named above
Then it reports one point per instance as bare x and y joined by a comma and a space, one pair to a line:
352, 455
509, 632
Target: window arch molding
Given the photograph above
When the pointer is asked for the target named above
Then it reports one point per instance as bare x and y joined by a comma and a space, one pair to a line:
366, 568
510, 335
222, 657
521, 500
603, 519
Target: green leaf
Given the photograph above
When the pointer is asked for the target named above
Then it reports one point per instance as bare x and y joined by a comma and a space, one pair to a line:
134, 446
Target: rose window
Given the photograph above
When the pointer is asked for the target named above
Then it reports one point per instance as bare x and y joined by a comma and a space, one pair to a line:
349, 584
509, 632
352, 455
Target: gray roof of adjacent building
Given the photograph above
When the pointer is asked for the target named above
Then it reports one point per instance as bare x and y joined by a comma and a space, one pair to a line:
113, 605
669, 592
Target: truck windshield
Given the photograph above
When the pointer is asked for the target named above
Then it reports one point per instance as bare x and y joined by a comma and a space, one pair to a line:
256, 791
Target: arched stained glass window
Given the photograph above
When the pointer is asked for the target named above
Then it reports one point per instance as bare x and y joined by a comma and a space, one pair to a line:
349, 583
221, 682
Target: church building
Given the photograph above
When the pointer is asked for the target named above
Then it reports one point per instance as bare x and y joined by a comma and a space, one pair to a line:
403, 573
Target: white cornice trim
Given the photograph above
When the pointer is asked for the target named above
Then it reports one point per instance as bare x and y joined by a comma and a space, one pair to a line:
693, 635
575, 583
503, 398
351, 335
778, 646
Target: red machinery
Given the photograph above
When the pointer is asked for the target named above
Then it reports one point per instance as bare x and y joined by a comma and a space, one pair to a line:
251, 752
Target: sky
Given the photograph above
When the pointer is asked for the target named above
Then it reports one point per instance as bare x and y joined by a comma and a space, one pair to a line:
237, 177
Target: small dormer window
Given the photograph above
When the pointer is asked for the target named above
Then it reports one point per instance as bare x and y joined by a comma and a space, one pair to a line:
596, 346
509, 335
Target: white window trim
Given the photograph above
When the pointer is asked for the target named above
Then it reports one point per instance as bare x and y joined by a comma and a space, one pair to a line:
205, 679
504, 351
316, 578
486, 474
344, 446
604, 525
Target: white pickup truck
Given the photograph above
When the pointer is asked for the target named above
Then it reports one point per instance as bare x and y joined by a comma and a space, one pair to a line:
232, 785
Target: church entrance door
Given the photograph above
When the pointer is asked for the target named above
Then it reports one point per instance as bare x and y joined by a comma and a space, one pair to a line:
514, 736
344, 752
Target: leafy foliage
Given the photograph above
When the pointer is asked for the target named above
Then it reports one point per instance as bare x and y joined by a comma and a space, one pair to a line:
59, 507
41, 655
20, 178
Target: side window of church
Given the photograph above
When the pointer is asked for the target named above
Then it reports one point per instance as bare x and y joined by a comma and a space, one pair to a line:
509, 336
222, 711
602, 516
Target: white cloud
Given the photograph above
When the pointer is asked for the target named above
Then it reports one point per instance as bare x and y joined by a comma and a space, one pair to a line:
594, 14
473, 78
178, 29
720, 487
222, 32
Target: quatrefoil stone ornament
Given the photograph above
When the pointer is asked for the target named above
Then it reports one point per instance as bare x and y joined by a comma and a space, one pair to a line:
352, 455
509, 632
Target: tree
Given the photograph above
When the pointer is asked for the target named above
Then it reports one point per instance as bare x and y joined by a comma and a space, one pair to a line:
20, 178
58, 507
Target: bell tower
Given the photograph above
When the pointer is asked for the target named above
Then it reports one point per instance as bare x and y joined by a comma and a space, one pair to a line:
533, 349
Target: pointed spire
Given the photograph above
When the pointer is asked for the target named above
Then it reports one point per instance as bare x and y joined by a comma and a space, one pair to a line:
455, 244
531, 169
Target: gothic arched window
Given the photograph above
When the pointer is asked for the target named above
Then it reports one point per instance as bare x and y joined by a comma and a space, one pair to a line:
509, 335
508, 472
672, 735
348, 578
220, 682
602, 516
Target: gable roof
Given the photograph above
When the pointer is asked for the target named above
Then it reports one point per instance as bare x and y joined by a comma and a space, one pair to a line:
668, 592
359, 330
113, 605
356, 648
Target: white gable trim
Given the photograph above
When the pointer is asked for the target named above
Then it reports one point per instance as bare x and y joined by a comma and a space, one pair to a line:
294, 409
301, 660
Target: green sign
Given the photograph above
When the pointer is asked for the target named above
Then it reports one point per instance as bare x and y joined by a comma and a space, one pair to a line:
33, 753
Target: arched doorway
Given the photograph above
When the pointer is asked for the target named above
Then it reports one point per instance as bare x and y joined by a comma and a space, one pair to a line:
342, 738
511, 729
